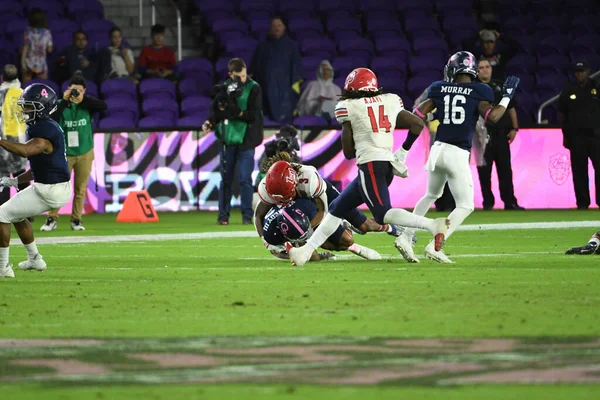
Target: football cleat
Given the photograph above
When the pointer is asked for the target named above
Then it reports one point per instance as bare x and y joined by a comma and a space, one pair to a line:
439, 233
405, 247
77, 226
7, 272
589, 248
326, 256
348, 225
50, 225
438, 256
37, 263
298, 256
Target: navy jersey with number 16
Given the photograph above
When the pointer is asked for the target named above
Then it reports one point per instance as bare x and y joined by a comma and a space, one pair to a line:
457, 110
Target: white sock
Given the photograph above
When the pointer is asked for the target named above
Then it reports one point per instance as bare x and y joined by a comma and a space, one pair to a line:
3, 257
456, 218
398, 216
326, 228
31, 249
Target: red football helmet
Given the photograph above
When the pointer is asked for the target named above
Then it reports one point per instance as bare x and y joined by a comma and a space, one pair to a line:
281, 180
361, 79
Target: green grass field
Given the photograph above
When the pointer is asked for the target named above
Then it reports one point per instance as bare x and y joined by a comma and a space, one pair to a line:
184, 312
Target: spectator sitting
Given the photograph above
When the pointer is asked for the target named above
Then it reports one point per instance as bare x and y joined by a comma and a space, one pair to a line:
37, 43
122, 62
78, 57
489, 51
276, 66
158, 60
321, 95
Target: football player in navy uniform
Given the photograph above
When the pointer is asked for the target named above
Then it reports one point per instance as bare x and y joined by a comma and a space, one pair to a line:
295, 222
458, 103
592, 247
46, 152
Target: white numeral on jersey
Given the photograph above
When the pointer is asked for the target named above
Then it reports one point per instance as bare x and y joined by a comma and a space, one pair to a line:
454, 111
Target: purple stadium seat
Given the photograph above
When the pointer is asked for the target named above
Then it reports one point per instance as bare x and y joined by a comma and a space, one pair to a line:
294, 7
15, 28
91, 88
258, 16
152, 86
554, 61
392, 82
390, 63
524, 61
445, 5
157, 120
370, 5
235, 46
591, 41
157, 103
312, 24
52, 8
230, 25
62, 25
457, 37
303, 35
310, 65
389, 23
47, 82
192, 121
412, 5
327, 6
310, 120
344, 65
527, 82
123, 105
196, 104
419, 24
318, 47
359, 47
61, 41
99, 26
335, 24
340, 81
385, 46
592, 58
117, 122
255, 5
11, 9
193, 86
549, 79
342, 35
197, 67
85, 10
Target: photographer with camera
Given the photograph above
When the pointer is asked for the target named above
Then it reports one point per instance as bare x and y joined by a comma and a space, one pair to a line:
74, 115
237, 118
285, 141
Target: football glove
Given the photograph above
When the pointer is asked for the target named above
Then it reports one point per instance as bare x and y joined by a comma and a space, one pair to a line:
6, 181
510, 86
589, 248
273, 248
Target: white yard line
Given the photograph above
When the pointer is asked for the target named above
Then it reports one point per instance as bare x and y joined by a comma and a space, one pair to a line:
250, 234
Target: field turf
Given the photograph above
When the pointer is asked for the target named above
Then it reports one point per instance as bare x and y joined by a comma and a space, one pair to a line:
195, 310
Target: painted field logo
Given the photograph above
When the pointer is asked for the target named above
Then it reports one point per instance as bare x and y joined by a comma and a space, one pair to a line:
311, 360
560, 168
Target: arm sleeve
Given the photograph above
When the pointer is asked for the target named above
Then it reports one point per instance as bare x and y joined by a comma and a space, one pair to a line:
341, 112
93, 104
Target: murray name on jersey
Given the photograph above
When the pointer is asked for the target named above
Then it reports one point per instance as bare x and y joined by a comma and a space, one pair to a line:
457, 110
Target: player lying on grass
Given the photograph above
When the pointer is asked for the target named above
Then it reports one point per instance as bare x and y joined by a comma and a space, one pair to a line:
295, 223
458, 101
45, 150
286, 181
368, 119
592, 247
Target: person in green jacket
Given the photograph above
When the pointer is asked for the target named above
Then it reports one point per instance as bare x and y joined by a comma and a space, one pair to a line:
74, 114
237, 118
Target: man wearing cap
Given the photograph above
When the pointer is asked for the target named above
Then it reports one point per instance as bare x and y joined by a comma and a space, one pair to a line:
579, 117
489, 51
11, 129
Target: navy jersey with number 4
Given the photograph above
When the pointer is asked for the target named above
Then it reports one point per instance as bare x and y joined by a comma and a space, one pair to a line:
49, 168
457, 110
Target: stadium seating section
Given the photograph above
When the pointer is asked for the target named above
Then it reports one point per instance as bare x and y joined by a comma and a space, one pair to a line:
406, 42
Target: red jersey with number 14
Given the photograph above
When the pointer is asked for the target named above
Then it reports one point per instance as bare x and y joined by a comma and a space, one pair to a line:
373, 121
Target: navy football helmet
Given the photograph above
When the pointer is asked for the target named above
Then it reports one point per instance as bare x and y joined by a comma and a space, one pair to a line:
37, 102
294, 225
461, 62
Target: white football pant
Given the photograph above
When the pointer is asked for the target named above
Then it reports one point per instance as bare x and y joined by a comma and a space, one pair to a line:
34, 200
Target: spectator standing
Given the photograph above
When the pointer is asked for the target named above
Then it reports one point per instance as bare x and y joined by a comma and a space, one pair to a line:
320, 96
10, 128
122, 64
236, 115
500, 136
74, 114
37, 44
276, 66
579, 117
156, 59
79, 57
490, 52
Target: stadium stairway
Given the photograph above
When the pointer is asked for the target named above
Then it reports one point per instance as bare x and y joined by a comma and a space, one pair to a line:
125, 14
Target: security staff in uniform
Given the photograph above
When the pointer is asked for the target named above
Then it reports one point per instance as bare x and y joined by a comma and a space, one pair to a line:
579, 116
501, 135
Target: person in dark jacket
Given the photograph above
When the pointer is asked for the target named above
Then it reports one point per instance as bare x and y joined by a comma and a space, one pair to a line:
579, 117
237, 119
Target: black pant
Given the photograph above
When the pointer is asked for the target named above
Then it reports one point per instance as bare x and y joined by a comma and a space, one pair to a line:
497, 151
446, 202
583, 146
